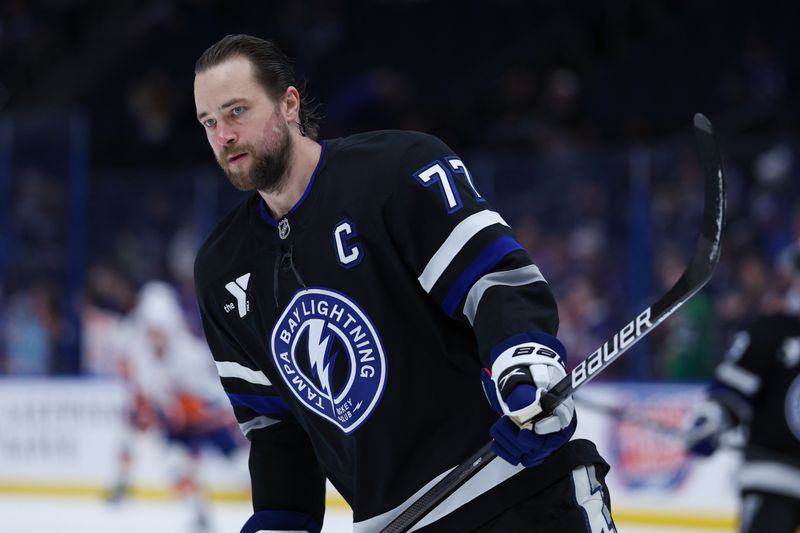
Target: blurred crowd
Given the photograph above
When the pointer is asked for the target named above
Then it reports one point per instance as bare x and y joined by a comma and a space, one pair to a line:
575, 121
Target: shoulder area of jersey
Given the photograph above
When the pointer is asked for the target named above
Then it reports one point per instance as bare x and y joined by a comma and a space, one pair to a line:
383, 159
224, 240
773, 323
389, 142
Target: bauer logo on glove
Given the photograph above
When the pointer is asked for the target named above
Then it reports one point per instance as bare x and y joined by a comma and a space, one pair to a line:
533, 348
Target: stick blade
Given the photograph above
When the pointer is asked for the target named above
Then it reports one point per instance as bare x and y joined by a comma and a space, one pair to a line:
701, 122
714, 208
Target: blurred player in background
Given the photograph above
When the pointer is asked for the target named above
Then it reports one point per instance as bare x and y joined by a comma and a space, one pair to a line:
354, 302
757, 386
175, 391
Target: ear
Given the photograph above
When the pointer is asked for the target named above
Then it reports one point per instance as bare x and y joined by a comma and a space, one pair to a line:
291, 104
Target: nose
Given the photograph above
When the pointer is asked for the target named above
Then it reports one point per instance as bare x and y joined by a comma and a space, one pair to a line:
226, 136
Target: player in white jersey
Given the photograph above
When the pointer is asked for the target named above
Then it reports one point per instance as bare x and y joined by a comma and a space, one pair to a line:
175, 390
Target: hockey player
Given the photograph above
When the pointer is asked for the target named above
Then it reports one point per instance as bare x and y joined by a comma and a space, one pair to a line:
353, 303
175, 391
758, 386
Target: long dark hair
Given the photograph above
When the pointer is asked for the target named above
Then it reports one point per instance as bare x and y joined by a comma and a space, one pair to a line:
273, 71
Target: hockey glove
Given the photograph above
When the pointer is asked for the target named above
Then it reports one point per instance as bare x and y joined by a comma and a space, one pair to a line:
702, 426
532, 364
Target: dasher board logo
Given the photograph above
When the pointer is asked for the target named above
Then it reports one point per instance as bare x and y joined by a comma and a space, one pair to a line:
328, 352
643, 458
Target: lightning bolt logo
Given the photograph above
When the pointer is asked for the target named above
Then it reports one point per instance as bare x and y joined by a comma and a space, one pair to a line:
329, 354
317, 353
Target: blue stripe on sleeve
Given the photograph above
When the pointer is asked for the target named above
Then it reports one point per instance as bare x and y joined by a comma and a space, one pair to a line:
487, 260
263, 405
280, 521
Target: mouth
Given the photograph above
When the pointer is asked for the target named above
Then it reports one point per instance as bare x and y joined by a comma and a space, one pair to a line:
236, 158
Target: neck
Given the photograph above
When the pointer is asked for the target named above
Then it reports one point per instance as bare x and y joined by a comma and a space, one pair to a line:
302, 162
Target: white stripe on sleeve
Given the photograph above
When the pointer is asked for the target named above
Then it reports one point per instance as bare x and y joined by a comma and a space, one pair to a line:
461, 234
230, 369
738, 378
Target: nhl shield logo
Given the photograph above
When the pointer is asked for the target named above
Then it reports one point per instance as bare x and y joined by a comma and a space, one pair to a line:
283, 228
330, 356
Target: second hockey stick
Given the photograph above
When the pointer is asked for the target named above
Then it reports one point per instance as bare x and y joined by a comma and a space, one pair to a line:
626, 415
696, 275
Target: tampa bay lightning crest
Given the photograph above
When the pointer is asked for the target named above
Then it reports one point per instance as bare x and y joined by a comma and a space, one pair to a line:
329, 354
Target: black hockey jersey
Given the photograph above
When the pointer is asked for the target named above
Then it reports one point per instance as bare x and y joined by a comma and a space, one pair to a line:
759, 381
349, 335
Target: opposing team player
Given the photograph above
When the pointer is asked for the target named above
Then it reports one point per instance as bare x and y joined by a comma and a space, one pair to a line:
352, 303
758, 386
175, 392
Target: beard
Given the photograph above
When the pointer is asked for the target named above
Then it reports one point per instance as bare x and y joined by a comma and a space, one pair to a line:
269, 169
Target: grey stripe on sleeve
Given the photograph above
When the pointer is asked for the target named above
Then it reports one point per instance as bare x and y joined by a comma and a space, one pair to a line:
510, 278
259, 422
770, 476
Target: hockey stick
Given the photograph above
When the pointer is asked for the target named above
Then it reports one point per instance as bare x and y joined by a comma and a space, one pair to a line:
626, 415
732, 442
697, 273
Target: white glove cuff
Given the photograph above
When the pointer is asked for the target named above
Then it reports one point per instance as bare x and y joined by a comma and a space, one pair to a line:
705, 419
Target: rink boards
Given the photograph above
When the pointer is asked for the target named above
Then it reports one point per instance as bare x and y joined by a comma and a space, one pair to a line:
64, 437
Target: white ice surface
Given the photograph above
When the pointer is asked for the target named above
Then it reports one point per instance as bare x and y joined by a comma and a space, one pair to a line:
20, 514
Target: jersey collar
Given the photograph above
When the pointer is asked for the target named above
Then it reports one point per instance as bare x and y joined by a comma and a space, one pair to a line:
262, 205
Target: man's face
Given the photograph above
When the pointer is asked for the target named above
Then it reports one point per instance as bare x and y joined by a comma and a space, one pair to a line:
246, 129
158, 340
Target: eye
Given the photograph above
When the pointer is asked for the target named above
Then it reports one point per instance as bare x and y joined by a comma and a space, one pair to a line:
237, 111
209, 122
